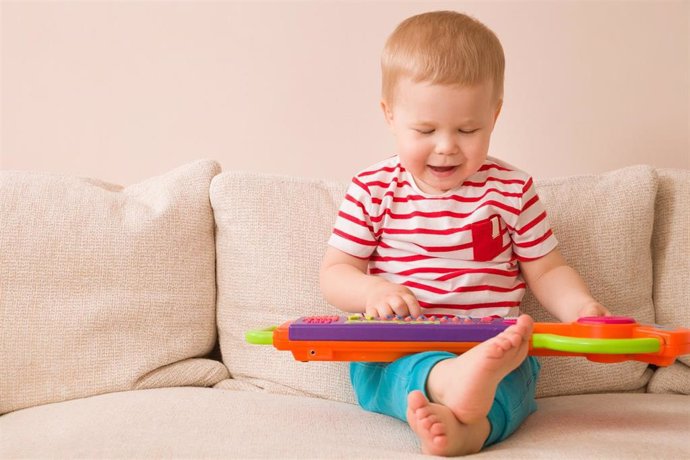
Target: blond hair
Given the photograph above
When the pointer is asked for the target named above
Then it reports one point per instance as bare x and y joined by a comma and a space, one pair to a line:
442, 47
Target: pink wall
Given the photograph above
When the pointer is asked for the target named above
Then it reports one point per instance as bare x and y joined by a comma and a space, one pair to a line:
126, 90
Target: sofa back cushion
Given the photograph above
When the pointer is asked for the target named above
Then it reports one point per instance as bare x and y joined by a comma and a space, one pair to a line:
271, 233
604, 225
105, 288
671, 247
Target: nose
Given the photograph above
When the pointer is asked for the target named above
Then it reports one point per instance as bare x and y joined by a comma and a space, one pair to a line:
447, 145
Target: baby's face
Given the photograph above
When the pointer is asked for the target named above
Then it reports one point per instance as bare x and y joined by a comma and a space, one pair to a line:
442, 132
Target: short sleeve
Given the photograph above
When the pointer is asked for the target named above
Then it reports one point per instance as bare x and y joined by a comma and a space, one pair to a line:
353, 231
532, 235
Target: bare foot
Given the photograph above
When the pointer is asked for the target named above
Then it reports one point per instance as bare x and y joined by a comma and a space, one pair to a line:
439, 431
467, 384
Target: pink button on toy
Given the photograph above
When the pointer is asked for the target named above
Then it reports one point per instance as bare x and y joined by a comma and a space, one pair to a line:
606, 320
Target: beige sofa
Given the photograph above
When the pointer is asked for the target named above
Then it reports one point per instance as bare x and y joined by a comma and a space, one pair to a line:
123, 313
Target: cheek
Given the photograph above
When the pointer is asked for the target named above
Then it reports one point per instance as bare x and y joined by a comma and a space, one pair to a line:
476, 147
413, 146
414, 155
413, 162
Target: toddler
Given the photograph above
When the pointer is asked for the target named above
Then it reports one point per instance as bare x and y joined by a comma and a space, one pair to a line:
443, 229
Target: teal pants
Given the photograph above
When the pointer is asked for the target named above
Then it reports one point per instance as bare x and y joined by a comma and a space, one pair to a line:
383, 388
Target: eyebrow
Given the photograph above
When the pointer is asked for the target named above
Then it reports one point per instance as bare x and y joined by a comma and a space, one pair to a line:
469, 121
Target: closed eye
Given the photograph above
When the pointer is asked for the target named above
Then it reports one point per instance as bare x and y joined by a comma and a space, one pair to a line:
469, 131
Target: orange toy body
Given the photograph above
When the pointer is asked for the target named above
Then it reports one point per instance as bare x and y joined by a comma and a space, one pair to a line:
360, 338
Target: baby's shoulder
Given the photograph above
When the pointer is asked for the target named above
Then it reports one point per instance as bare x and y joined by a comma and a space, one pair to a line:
504, 173
380, 176
384, 169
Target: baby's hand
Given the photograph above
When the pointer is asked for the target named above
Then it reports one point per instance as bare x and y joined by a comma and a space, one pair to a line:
391, 299
593, 309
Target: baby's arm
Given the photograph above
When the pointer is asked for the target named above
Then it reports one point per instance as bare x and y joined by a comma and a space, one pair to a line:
560, 289
346, 285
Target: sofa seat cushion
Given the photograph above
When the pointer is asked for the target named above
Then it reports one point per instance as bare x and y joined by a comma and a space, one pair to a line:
202, 423
612, 426
213, 423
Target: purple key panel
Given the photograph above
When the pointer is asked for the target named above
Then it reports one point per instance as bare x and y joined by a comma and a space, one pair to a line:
339, 328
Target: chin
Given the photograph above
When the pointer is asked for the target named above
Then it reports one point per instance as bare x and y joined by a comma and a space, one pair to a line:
441, 188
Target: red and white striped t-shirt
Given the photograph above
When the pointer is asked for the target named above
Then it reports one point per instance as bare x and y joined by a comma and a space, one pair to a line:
457, 252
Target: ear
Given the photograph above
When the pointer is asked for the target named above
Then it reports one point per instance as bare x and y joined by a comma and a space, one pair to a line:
387, 112
497, 112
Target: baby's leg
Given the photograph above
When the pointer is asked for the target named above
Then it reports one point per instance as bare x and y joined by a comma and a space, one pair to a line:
465, 387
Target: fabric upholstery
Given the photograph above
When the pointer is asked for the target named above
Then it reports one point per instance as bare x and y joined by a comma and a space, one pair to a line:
604, 225
271, 235
271, 232
209, 423
602, 426
105, 288
203, 423
671, 248
671, 379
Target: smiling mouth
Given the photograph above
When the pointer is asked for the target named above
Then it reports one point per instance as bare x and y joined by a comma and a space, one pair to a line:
442, 169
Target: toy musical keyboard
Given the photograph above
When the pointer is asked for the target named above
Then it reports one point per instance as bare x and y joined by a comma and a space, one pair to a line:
605, 339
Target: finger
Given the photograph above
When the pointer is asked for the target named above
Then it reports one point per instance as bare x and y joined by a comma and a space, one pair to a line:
385, 311
374, 311
597, 311
412, 305
398, 305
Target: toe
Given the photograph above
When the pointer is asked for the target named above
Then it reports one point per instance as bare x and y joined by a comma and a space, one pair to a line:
527, 322
416, 400
515, 339
437, 429
505, 342
428, 421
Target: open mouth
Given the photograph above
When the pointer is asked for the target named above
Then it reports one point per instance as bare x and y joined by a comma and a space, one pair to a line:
442, 169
